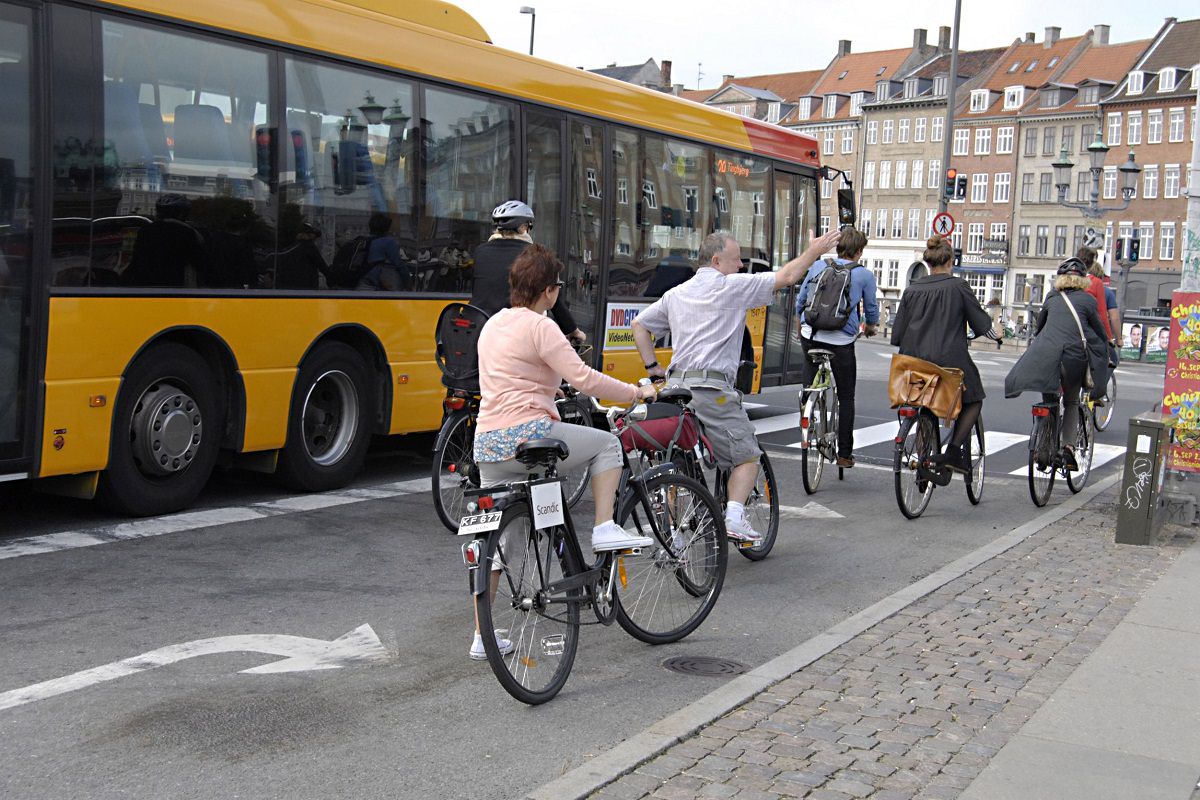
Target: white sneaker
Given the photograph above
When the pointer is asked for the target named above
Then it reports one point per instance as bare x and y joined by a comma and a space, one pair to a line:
611, 536
479, 654
740, 531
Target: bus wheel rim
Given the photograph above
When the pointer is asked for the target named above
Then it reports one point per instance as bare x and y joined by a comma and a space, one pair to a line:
330, 417
166, 430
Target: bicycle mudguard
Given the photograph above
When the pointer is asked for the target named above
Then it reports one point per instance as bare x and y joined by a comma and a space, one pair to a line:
668, 468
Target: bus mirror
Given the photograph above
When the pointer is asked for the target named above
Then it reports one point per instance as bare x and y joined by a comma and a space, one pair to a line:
846, 214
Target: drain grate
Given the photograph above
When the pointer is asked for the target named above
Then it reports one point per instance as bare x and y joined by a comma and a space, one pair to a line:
704, 665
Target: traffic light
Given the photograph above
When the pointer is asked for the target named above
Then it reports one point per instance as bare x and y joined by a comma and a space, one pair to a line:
1135, 249
957, 257
948, 189
1118, 249
960, 187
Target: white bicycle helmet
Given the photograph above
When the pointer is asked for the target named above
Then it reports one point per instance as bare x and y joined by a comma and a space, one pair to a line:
512, 215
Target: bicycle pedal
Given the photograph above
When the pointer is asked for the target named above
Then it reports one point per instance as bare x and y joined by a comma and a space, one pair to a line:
744, 545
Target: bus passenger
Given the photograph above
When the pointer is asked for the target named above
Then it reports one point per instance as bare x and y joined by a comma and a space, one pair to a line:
513, 221
300, 265
386, 270
706, 316
168, 251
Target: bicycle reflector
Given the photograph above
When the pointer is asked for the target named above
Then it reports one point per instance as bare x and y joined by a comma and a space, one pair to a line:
1041, 411
804, 423
907, 411
454, 403
470, 552
486, 503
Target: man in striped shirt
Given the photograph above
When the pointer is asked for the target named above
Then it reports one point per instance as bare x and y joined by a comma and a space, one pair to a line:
705, 317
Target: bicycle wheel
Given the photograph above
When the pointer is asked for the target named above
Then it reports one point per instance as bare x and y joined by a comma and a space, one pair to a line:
575, 411
454, 468
664, 594
543, 629
1041, 460
1102, 415
978, 457
762, 510
916, 443
814, 464
1085, 444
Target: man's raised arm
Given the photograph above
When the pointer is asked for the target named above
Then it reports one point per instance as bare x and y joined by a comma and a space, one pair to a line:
793, 271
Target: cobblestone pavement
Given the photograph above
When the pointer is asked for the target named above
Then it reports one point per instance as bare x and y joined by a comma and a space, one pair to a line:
917, 705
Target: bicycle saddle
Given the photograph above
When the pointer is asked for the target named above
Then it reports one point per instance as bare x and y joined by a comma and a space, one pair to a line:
679, 395
542, 451
817, 351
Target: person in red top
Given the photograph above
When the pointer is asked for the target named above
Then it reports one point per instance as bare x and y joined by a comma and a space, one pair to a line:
1096, 288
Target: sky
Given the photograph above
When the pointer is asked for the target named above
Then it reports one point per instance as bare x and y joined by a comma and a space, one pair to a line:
755, 37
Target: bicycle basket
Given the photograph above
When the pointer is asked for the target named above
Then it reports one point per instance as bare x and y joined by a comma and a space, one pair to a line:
666, 427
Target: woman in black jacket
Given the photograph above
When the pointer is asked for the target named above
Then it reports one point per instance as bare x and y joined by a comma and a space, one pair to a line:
931, 324
1057, 356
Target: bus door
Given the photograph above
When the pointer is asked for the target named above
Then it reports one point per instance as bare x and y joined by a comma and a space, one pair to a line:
781, 347
16, 234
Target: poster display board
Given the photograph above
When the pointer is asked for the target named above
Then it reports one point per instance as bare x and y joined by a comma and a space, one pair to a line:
1180, 348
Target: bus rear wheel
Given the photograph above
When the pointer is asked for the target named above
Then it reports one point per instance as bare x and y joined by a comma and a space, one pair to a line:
166, 432
328, 422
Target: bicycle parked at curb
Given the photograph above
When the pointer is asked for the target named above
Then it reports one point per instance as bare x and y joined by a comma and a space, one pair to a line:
532, 581
819, 421
1046, 459
918, 440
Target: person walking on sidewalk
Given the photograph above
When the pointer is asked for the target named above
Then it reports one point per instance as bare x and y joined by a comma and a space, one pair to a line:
706, 316
935, 312
848, 282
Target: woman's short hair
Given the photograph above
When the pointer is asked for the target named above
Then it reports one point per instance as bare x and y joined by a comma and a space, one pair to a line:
534, 271
379, 223
852, 243
938, 251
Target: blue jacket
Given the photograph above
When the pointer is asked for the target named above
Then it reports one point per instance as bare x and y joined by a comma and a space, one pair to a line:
862, 290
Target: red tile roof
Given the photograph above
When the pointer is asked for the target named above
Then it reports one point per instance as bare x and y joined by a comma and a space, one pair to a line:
788, 85
1105, 62
862, 71
1025, 54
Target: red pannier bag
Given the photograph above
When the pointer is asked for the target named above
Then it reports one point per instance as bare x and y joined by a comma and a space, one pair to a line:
666, 427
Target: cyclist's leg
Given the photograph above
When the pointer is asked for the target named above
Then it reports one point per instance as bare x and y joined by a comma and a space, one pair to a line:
735, 447
844, 364
808, 369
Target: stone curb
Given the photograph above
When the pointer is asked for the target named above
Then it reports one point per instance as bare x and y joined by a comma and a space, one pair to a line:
669, 731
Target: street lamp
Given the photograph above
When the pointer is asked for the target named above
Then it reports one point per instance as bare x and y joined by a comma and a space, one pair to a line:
1097, 152
532, 22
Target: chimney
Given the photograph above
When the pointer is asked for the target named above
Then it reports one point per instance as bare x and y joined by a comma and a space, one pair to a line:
677, 89
613, 64
944, 38
1100, 34
665, 81
919, 35
726, 79
843, 47
1052, 34
1029, 37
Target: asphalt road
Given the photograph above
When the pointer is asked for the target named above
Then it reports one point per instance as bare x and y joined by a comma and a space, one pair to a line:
427, 721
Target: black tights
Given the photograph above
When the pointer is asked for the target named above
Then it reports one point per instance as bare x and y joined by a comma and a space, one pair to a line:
965, 422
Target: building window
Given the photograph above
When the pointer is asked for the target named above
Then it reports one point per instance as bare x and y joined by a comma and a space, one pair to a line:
1153, 127
826, 189
885, 174
1146, 233
881, 90
893, 273
759, 200
1091, 96
1004, 140
856, 101
1014, 97
623, 191
979, 187
918, 173
979, 100
897, 223
1027, 187
1023, 240
902, 138
1042, 244
824, 225
929, 212
864, 221
1086, 134
878, 270
1175, 132
1031, 140
831, 106
956, 236
1171, 181
881, 223
1068, 137
975, 237
889, 126
869, 175
914, 223
848, 141
1166, 79
722, 200
1060, 240
1083, 189
805, 109
1114, 129
1166, 242
901, 174
939, 85
919, 130
1003, 187
593, 186
935, 173
1134, 128
1045, 188
999, 232
983, 141
962, 141
872, 131
937, 126
649, 194
1077, 239
827, 143
1136, 81
1110, 183
1048, 135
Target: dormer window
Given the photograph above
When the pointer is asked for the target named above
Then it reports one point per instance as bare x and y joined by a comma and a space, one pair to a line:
979, 100
1016, 66
910, 88
1091, 96
856, 101
804, 111
1137, 82
843, 74
881, 90
1031, 66
1166, 79
1053, 61
830, 105
1014, 98
939, 85
773, 111
1196, 76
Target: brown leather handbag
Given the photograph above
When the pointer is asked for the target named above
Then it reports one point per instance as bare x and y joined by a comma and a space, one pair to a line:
915, 382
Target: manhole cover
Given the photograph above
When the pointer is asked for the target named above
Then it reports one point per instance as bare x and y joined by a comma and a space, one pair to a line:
704, 665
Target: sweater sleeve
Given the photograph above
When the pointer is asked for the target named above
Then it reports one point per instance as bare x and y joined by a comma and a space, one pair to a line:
557, 352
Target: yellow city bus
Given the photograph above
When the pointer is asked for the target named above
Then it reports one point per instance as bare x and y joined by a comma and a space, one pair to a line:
183, 188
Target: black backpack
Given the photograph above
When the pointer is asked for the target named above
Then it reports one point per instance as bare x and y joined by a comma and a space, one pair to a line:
829, 307
349, 263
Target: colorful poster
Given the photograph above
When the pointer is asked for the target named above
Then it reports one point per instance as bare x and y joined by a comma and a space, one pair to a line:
1158, 342
1181, 383
1131, 339
618, 330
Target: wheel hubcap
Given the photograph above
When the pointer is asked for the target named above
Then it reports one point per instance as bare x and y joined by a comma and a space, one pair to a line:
166, 430
330, 417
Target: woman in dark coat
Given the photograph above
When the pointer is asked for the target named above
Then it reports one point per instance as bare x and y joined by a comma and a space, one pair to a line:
1056, 358
931, 324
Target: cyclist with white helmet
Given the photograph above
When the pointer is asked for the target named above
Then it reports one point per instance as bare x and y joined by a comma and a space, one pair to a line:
494, 258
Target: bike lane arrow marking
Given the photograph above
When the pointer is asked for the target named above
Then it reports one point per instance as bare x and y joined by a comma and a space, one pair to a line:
301, 653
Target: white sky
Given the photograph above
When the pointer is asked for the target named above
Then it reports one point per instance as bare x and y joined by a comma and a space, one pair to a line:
753, 37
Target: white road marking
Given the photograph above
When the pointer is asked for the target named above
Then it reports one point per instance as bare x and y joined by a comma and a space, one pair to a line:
753, 405
865, 437
999, 440
985, 361
1101, 455
779, 423
301, 653
810, 510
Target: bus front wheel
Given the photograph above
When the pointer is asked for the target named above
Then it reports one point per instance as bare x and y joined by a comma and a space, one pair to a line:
166, 432
329, 420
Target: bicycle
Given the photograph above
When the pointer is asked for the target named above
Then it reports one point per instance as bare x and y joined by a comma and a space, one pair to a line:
819, 422
531, 579
917, 442
1102, 413
762, 506
1045, 455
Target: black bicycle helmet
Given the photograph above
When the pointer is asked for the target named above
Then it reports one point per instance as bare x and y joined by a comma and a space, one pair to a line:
512, 215
1073, 266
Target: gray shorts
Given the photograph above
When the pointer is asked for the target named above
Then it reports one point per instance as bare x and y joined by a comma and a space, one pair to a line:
593, 448
729, 430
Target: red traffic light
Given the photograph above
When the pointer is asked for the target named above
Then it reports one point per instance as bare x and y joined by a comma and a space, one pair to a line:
951, 174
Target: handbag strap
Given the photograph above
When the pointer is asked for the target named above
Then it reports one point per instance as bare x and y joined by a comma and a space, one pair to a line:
1078, 324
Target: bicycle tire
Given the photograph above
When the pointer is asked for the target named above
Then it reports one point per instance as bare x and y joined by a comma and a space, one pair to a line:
1102, 415
914, 447
1085, 445
1041, 461
978, 458
544, 636
575, 411
810, 455
762, 510
454, 468
665, 593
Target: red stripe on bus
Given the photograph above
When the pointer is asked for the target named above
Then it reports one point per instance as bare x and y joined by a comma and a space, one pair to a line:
772, 140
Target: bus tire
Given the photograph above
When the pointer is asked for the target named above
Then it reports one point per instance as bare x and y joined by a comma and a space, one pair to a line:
166, 432
329, 422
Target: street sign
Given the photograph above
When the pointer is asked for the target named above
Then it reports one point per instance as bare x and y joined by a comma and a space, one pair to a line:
943, 224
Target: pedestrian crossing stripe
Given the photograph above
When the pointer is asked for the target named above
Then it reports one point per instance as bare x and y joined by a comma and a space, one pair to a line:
1101, 455
810, 510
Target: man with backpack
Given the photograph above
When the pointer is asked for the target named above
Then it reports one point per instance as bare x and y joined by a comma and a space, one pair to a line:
828, 307
706, 316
